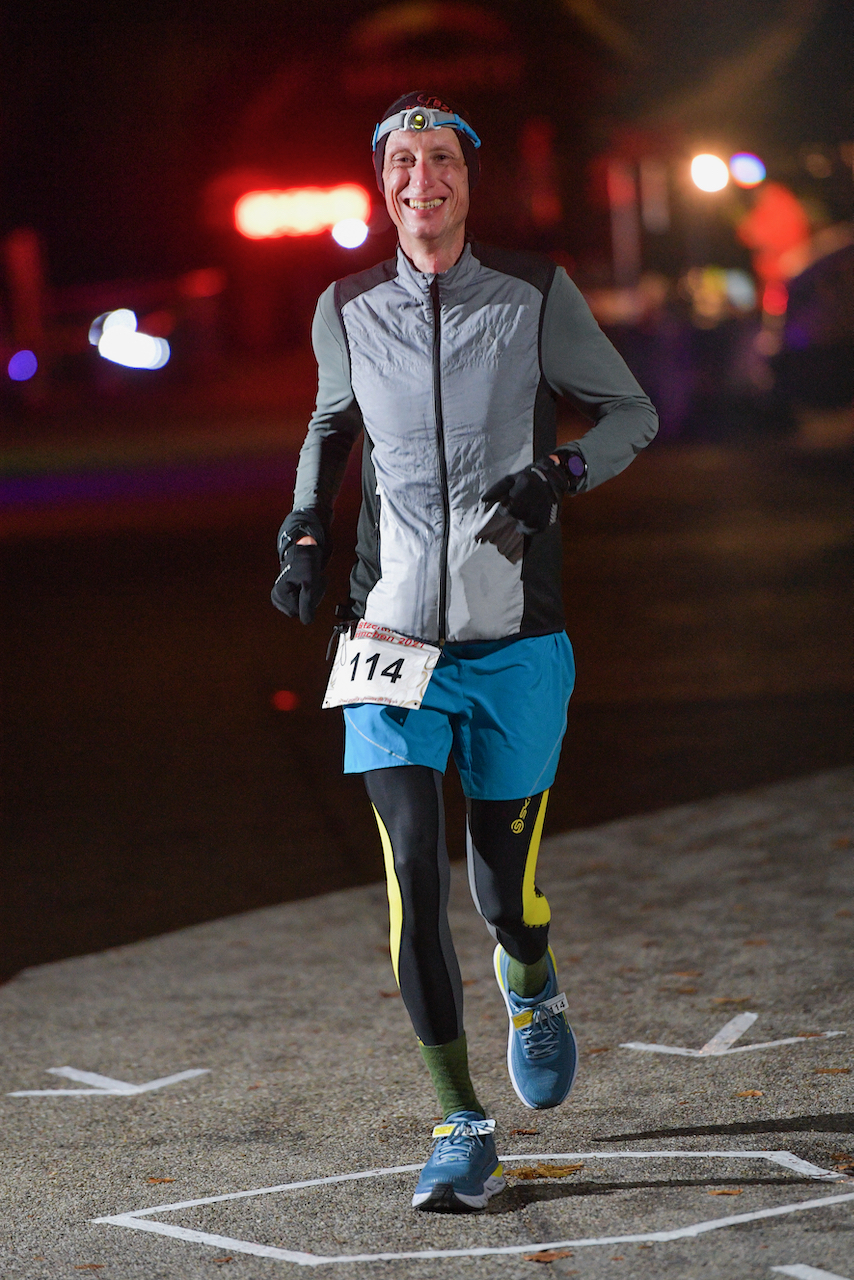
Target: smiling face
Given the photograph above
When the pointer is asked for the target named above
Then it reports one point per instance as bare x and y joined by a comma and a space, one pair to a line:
426, 186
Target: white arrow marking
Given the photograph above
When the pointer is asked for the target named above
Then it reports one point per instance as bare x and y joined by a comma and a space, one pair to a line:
721, 1043
728, 1034
104, 1085
802, 1272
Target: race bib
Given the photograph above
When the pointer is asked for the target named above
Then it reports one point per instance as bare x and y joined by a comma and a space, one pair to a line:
378, 665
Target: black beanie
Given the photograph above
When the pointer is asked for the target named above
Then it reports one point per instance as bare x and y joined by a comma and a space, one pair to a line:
431, 102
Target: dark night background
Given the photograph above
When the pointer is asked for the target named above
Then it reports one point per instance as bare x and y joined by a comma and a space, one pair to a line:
148, 779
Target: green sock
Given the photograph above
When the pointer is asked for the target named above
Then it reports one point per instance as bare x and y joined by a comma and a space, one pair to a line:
527, 980
448, 1065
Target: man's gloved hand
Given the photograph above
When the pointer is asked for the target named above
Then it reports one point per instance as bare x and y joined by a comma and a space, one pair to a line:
299, 588
532, 497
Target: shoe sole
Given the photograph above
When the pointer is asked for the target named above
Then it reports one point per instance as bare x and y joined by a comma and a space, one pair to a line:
532, 1106
443, 1198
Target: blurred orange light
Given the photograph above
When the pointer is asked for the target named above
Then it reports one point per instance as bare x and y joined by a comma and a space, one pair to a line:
300, 211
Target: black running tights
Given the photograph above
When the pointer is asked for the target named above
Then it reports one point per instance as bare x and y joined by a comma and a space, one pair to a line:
503, 838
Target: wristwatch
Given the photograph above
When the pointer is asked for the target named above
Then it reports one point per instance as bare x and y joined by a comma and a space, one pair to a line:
572, 461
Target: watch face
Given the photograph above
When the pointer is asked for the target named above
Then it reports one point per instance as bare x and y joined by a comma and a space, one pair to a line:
575, 465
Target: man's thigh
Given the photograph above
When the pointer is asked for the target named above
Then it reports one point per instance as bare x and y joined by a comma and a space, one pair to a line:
507, 746
380, 737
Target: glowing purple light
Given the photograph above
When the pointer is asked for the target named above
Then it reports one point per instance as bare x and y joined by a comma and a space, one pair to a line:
22, 366
747, 169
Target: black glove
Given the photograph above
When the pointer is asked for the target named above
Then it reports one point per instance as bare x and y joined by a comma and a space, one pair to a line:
299, 588
532, 497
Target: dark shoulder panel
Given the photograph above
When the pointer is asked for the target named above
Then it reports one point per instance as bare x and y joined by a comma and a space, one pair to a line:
352, 286
536, 268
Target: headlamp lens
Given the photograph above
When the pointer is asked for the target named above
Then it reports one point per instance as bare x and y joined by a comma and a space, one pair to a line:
418, 121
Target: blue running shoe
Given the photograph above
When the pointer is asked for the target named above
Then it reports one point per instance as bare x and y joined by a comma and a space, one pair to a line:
463, 1171
542, 1055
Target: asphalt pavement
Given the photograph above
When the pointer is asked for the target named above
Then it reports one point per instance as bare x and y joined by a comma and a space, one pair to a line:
295, 1147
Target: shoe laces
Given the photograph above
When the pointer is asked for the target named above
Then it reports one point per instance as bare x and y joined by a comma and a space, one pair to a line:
460, 1141
540, 1038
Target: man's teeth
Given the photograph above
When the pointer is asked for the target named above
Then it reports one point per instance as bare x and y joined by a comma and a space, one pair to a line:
424, 204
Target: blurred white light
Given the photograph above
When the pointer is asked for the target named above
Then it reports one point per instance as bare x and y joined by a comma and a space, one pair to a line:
120, 319
116, 338
747, 169
740, 290
350, 233
709, 173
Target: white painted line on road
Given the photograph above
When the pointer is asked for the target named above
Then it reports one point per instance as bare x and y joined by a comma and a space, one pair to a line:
801, 1272
140, 1219
722, 1041
105, 1086
728, 1034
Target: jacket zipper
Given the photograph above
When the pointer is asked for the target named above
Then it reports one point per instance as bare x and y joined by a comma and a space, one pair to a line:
443, 462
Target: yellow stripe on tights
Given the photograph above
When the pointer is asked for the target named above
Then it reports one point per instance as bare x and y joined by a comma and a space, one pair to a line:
535, 907
395, 899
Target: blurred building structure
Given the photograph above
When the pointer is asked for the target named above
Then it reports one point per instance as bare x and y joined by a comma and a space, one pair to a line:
590, 112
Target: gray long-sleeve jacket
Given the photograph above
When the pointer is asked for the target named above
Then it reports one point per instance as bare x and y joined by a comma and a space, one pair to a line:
453, 379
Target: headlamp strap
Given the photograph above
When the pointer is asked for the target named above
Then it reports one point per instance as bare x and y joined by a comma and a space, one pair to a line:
417, 119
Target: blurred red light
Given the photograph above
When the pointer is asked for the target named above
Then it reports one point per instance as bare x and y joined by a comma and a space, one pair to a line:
300, 211
285, 700
207, 282
775, 298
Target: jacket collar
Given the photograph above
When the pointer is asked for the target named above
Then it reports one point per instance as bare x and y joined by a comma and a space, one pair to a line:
418, 283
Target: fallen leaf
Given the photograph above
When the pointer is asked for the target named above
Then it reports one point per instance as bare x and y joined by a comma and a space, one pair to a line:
755, 942
618, 1257
603, 1048
389, 995
686, 991
259, 1084
687, 973
228, 1259
810, 1035
750, 1093
842, 842
90, 1266
731, 999
844, 913
527, 1132
469, 982
160, 1179
725, 1191
833, 1071
651, 942
544, 1171
547, 1255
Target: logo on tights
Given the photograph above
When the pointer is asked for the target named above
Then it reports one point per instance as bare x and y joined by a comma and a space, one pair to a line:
518, 825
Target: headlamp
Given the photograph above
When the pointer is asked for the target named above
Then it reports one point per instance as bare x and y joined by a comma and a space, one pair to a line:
418, 119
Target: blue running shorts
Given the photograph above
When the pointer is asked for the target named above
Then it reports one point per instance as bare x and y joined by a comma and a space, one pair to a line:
500, 706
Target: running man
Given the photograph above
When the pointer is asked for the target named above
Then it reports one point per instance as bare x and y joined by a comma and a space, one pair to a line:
449, 358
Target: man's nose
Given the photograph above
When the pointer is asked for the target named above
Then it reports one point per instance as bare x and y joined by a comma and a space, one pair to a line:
419, 175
